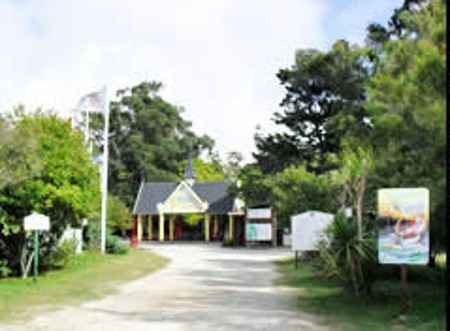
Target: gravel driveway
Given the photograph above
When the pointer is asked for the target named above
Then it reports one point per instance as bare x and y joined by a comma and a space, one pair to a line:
206, 287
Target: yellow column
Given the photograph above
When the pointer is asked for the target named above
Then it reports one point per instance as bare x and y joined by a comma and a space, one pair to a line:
150, 227
139, 228
171, 221
231, 232
207, 227
161, 227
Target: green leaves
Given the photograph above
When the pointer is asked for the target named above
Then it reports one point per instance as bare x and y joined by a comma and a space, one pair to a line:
407, 99
149, 139
323, 103
62, 188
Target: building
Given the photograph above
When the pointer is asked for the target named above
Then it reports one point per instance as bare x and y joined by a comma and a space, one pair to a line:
161, 207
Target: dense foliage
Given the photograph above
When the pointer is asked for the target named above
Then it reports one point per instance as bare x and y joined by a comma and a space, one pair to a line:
59, 181
386, 99
408, 107
148, 140
324, 99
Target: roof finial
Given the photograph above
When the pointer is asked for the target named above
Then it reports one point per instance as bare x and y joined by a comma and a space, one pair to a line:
189, 174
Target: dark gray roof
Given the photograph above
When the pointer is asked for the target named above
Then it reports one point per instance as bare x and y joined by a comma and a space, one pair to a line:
214, 193
189, 172
150, 194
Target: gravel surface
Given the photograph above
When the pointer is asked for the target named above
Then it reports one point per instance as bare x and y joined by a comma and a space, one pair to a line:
205, 287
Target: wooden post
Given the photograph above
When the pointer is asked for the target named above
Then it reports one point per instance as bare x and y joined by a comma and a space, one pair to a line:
139, 228
150, 227
207, 237
171, 221
403, 299
161, 227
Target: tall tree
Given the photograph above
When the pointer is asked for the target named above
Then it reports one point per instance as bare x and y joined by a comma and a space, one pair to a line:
408, 107
148, 139
324, 99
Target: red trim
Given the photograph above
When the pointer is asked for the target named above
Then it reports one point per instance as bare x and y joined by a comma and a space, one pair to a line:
134, 240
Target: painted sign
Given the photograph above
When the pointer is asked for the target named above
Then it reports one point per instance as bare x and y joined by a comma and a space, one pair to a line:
307, 229
37, 221
403, 237
258, 232
259, 213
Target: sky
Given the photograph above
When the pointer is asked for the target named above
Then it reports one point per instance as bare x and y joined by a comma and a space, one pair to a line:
217, 59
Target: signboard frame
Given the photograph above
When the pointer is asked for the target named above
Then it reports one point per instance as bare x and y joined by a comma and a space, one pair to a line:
404, 236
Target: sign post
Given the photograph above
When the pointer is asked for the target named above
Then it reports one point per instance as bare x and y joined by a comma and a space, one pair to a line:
408, 240
36, 222
36, 254
403, 315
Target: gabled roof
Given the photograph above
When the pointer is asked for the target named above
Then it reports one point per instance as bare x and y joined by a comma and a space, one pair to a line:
150, 194
214, 193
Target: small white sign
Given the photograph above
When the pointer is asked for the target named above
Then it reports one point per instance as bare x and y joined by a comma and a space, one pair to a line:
259, 213
37, 221
307, 229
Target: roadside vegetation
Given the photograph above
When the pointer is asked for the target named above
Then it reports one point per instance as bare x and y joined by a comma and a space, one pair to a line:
87, 276
356, 119
326, 298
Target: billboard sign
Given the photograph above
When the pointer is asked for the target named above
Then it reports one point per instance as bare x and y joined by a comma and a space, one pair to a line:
258, 232
403, 236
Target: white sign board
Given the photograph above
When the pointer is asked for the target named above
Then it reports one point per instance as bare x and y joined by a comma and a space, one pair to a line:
37, 221
307, 228
259, 213
258, 232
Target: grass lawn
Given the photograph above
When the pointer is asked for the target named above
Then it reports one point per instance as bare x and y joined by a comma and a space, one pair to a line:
92, 276
324, 298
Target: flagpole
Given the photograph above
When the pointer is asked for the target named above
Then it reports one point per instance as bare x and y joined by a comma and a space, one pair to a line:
86, 132
105, 172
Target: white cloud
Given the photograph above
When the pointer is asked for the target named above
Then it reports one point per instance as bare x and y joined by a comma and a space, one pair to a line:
218, 59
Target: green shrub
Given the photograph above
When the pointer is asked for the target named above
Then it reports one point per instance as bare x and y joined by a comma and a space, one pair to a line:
114, 246
349, 258
4, 270
61, 256
92, 236
227, 242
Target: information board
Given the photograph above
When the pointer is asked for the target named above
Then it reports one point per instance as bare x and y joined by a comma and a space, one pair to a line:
258, 232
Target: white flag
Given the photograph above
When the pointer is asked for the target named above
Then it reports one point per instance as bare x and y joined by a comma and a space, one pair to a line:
94, 101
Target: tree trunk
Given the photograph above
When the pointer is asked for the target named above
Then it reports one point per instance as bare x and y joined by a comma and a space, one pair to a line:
27, 268
361, 189
23, 253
